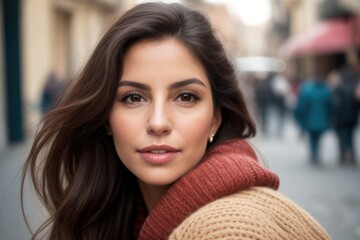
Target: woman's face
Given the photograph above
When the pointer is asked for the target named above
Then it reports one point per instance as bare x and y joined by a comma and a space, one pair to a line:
163, 113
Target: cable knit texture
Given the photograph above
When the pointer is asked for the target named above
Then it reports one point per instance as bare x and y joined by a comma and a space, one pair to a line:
258, 213
226, 169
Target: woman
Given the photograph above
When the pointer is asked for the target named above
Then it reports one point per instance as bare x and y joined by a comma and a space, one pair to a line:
149, 134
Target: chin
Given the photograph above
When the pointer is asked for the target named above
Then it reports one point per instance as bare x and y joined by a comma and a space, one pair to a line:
159, 181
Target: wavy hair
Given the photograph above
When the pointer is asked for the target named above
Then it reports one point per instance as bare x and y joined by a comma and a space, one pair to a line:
74, 167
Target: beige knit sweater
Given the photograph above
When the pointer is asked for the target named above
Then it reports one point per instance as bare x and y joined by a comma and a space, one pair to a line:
258, 213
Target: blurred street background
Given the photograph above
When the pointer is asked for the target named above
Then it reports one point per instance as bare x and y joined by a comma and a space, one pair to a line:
298, 63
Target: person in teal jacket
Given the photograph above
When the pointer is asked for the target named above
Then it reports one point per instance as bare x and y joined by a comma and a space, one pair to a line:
313, 112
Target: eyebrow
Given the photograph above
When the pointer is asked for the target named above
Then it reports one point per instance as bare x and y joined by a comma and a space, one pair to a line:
134, 84
186, 82
175, 85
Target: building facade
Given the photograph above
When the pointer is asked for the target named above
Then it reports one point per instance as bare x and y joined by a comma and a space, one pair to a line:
307, 48
54, 36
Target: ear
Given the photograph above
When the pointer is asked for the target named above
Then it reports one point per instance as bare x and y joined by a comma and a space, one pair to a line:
216, 122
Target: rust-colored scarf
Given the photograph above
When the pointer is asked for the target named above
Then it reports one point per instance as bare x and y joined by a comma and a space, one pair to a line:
226, 169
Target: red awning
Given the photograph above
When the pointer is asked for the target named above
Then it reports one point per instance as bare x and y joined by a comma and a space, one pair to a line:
328, 36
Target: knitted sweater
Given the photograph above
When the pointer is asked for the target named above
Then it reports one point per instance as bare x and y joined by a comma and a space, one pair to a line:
258, 213
216, 188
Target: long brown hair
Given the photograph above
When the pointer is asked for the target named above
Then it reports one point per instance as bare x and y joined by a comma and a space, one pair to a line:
73, 164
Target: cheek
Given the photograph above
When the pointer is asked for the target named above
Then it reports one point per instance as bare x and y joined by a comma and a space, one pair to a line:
123, 127
196, 126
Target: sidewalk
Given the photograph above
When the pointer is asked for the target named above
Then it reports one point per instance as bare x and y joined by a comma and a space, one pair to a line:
12, 225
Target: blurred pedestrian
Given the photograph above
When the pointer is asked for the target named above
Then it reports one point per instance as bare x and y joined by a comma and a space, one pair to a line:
52, 88
313, 112
150, 142
264, 99
346, 113
281, 93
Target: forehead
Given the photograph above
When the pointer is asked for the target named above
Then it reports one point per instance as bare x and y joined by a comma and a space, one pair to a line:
166, 57
161, 49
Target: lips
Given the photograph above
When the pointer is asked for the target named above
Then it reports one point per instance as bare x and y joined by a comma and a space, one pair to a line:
158, 154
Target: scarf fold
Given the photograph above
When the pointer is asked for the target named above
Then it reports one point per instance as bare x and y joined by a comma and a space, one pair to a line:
226, 169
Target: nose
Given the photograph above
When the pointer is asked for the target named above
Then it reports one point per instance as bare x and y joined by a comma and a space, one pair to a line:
159, 121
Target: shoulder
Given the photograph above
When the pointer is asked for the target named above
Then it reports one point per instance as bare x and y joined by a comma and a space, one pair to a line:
256, 213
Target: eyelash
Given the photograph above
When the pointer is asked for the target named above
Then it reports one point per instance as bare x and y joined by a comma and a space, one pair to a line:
126, 96
195, 96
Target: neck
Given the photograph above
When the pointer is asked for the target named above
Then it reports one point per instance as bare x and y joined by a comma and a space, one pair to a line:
151, 194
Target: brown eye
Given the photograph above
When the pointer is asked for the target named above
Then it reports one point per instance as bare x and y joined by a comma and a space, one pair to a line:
186, 97
134, 98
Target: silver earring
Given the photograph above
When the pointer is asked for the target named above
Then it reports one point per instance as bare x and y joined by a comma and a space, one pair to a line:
211, 139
